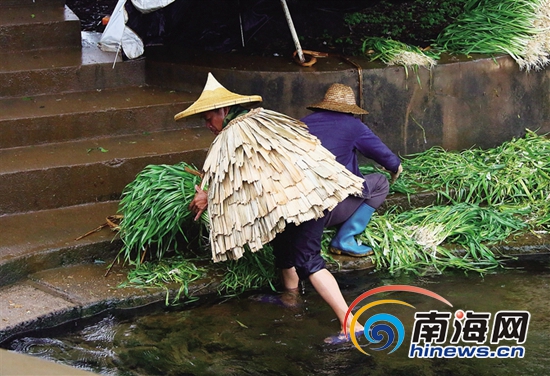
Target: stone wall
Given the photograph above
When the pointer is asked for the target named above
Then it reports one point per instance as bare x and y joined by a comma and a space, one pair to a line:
479, 101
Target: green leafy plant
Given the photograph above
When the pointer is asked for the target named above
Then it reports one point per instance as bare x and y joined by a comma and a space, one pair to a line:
485, 197
162, 273
155, 210
393, 52
388, 19
414, 240
518, 28
497, 27
252, 271
516, 171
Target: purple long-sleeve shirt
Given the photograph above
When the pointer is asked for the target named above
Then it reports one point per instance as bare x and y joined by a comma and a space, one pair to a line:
343, 134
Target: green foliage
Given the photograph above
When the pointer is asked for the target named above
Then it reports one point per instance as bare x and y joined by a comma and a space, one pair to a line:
489, 195
485, 197
252, 271
516, 171
412, 240
518, 28
394, 21
393, 52
162, 273
491, 26
155, 209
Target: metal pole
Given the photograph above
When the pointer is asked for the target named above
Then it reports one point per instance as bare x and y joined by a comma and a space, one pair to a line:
293, 32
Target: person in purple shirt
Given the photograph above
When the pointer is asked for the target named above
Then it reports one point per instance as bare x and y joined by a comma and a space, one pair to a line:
297, 249
334, 123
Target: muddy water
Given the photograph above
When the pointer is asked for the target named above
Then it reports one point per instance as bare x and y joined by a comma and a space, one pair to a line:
242, 336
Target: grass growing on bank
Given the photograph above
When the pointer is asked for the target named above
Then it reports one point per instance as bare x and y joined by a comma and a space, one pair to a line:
162, 273
485, 196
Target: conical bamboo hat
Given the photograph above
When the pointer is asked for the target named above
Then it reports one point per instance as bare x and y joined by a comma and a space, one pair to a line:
265, 170
213, 96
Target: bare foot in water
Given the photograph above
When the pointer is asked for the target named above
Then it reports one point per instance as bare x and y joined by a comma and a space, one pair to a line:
341, 338
291, 298
287, 299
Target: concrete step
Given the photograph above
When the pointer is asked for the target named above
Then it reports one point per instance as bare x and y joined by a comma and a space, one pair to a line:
38, 27
30, 73
64, 295
53, 118
31, 3
32, 242
65, 174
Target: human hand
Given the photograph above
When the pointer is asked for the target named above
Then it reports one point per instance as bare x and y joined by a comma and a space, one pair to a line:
395, 175
199, 203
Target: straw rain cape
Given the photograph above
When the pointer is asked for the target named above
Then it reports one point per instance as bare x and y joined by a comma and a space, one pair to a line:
263, 170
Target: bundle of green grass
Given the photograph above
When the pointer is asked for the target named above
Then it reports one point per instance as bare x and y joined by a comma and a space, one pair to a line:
518, 28
155, 211
484, 198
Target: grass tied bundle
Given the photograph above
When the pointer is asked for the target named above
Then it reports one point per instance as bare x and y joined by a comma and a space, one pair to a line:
519, 28
155, 209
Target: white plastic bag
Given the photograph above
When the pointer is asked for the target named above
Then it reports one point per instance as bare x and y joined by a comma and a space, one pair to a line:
148, 6
119, 36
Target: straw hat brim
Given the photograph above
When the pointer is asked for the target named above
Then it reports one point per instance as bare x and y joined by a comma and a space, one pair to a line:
339, 107
216, 99
215, 96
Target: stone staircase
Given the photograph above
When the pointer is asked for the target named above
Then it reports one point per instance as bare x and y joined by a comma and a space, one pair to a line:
76, 125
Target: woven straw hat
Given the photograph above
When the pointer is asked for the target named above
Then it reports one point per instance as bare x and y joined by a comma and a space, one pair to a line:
214, 96
340, 98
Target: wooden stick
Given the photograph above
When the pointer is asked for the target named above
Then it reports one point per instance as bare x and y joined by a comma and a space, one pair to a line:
111, 266
194, 172
93, 231
143, 255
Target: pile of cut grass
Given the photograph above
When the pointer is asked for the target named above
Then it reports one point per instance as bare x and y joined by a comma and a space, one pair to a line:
490, 195
518, 28
155, 210
517, 171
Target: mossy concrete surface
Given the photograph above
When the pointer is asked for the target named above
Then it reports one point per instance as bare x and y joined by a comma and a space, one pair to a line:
462, 102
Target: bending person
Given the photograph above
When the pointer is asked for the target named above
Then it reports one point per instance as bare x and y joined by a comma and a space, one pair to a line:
268, 179
334, 123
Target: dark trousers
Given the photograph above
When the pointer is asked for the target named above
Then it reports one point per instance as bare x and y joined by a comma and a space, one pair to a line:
300, 246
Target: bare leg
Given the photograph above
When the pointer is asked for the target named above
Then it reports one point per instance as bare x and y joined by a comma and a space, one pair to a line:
326, 285
291, 295
290, 278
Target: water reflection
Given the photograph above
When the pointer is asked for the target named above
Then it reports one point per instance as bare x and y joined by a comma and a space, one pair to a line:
241, 336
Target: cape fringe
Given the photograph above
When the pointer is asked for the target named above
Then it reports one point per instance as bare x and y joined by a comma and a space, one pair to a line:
265, 170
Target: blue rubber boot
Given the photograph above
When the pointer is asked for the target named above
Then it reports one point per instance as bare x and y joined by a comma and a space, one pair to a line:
344, 242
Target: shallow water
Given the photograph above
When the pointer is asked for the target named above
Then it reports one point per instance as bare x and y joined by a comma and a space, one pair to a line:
242, 336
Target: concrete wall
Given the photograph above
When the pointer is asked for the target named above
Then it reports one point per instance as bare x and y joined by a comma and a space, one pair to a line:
458, 104
481, 102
